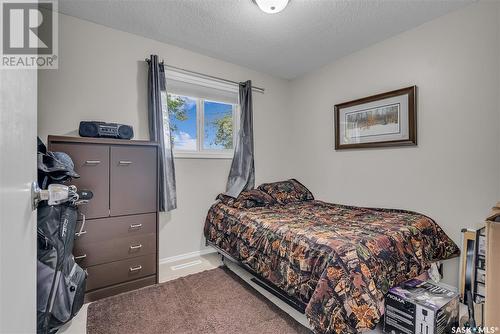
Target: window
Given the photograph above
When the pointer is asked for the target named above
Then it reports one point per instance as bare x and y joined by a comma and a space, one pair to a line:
201, 128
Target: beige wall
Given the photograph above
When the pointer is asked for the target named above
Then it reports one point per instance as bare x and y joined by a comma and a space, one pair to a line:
102, 76
453, 173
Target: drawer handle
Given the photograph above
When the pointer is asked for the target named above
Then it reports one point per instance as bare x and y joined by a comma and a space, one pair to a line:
125, 163
80, 257
81, 230
132, 269
136, 226
93, 162
135, 246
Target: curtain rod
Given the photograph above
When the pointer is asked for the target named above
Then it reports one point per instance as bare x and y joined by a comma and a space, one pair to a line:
207, 76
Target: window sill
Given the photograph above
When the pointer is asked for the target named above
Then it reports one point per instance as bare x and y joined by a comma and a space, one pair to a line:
203, 155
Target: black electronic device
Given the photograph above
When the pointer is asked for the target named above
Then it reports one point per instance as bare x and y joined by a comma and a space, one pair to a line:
98, 129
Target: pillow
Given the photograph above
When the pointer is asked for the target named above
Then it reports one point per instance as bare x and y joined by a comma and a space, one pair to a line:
252, 198
247, 199
288, 191
227, 200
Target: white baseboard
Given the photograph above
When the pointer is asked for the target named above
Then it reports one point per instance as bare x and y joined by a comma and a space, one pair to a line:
187, 256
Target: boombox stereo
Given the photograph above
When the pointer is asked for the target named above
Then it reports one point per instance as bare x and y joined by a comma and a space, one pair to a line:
103, 129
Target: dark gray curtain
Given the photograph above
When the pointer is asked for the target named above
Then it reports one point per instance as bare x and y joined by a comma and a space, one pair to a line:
159, 131
242, 173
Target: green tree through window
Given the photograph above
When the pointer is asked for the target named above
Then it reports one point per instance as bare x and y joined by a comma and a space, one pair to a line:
176, 109
224, 131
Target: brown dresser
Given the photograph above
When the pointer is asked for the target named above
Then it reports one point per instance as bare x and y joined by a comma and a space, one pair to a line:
118, 245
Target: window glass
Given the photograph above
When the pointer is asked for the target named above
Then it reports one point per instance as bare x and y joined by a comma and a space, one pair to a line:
199, 128
218, 126
183, 129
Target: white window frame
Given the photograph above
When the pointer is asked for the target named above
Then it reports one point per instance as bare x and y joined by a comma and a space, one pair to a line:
201, 152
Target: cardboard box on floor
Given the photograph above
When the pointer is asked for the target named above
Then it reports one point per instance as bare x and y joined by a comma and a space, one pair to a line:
421, 307
492, 301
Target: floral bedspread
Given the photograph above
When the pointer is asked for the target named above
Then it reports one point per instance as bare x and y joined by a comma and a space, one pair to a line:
337, 259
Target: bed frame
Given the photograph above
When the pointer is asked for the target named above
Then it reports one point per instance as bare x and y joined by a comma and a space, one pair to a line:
261, 281
269, 286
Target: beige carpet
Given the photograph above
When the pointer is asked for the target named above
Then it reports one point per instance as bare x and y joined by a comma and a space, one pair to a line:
211, 302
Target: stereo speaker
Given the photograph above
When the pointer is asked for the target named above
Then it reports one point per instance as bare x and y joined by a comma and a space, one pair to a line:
98, 129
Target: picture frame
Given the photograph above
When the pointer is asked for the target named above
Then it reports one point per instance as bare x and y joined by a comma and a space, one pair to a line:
382, 120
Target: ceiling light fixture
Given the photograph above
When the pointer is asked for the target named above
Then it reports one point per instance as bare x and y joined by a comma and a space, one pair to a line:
271, 6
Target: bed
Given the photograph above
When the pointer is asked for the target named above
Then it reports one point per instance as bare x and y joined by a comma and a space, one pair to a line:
337, 260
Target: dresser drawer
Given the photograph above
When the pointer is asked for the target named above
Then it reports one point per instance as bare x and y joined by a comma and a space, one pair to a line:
133, 182
90, 254
106, 229
92, 163
120, 271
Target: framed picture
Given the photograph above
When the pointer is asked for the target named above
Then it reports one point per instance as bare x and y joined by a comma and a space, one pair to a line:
388, 119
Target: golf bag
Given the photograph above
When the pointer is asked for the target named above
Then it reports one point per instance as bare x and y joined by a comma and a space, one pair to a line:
60, 281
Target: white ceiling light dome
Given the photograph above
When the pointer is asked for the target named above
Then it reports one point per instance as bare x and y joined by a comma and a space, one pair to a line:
271, 6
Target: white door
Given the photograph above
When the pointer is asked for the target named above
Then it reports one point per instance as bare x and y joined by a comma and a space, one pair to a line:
18, 119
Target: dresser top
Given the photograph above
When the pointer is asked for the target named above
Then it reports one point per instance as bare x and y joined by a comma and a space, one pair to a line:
106, 141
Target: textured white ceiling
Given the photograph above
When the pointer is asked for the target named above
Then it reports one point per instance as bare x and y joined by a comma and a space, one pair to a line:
303, 37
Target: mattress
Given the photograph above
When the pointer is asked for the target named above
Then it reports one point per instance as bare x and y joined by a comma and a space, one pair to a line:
339, 260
